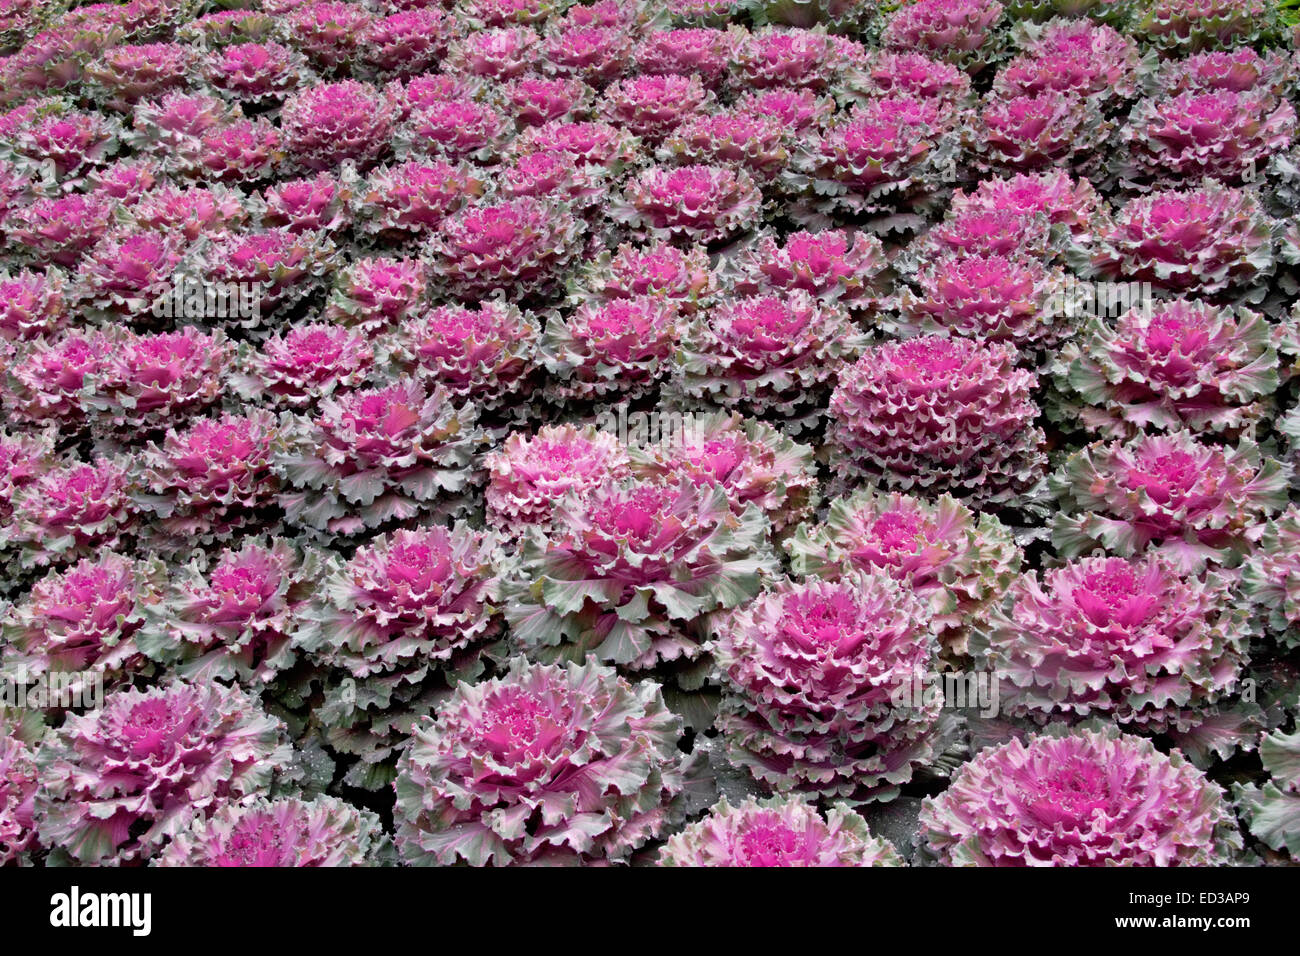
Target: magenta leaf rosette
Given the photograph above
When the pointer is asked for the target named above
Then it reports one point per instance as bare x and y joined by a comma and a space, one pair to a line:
771, 56
753, 142
71, 511
958, 561
1270, 577
1055, 195
383, 454
1087, 798
523, 246
1173, 493
696, 202
619, 348
19, 782
1073, 55
940, 414
1179, 27
833, 265
321, 203
376, 294
302, 364
408, 200
33, 304
282, 265
529, 475
131, 72
280, 832
324, 125
812, 673
1028, 132
765, 355
408, 613
546, 764
233, 617
777, 831
754, 462
117, 782
81, 621
680, 275
1176, 364
487, 354
630, 571
884, 74
963, 32
1135, 640
454, 129
256, 73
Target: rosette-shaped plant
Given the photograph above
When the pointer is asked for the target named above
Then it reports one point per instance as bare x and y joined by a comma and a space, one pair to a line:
242, 150
619, 348
681, 276
131, 72
19, 781
529, 475
428, 88
877, 156
959, 31
331, 33
71, 511
24, 456
939, 414
1072, 55
754, 462
546, 764
369, 457
779, 831
32, 304
228, 26
283, 832
1054, 195
407, 608
552, 174
1132, 640
206, 482
256, 73
809, 59
956, 560
146, 381
1225, 135
905, 75
304, 364
751, 141
126, 180
590, 144
1193, 501
1210, 239
997, 298
409, 200
51, 382
1271, 809
836, 265
522, 246
284, 265
653, 106
701, 51
58, 230
798, 109
188, 211
119, 781
486, 354
80, 621
501, 54
125, 271
319, 204
1086, 799
406, 42
629, 571
455, 129
233, 619
1179, 27
1241, 70
596, 54
699, 203
501, 13
1271, 577
373, 295
764, 355
74, 141
811, 678
324, 125
1178, 365
174, 124
536, 100
1042, 130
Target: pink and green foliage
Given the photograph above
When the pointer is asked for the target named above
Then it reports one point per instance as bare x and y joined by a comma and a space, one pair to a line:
958, 561
51, 382
124, 272
256, 73
884, 74
327, 124
1181, 364
1073, 55
300, 366
620, 348
835, 265
778, 831
1240, 70
331, 34
1271, 577
235, 617
126, 74
536, 100
210, 480
1174, 493
629, 571
81, 621
771, 57
59, 230
70, 511
318, 204
1055, 195
810, 672
1088, 798
284, 265
178, 211
1179, 27
1134, 640
376, 295
753, 142
754, 462
773, 354
284, 832
144, 382
33, 304
963, 32
409, 200
529, 476
702, 51
588, 143
369, 457
552, 174
406, 42
679, 275
119, 781
19, 782
454, 129
937, 414
697, 203
73, 141
502, 53
598, 55
547, 764
652, 106
1271, 810
1030, 132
